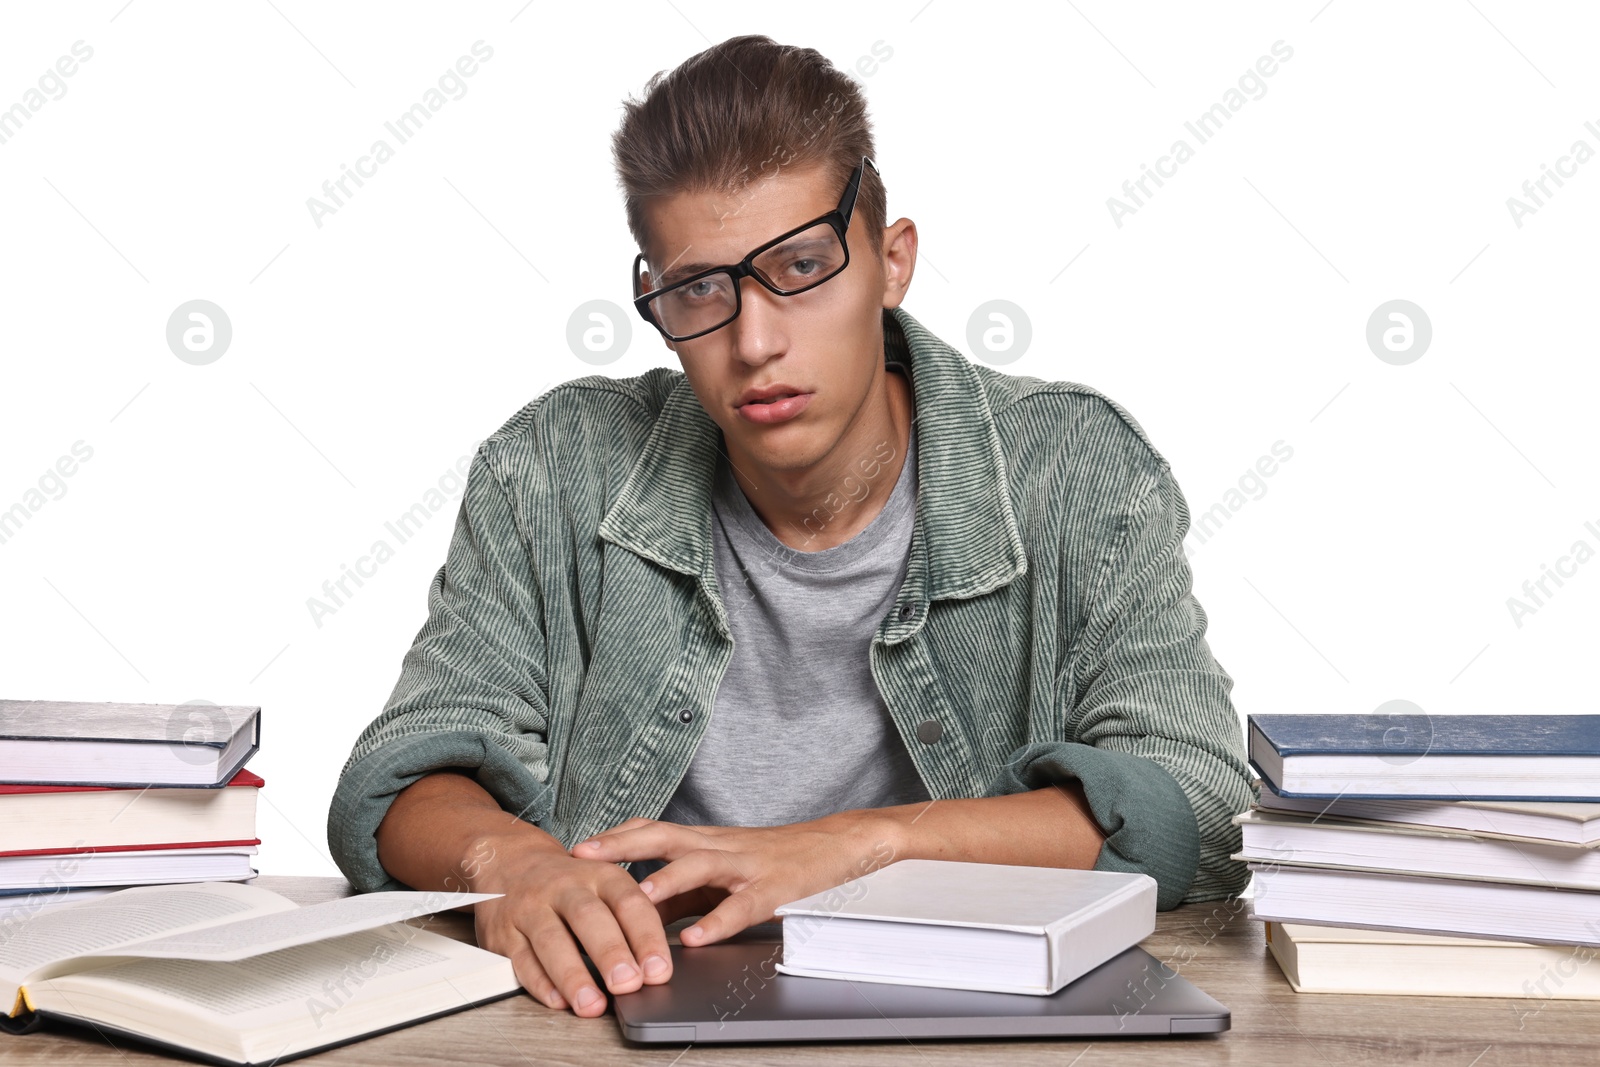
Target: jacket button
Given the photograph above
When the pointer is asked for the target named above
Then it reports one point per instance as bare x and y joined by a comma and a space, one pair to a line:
907, 611
686, 715
930, 731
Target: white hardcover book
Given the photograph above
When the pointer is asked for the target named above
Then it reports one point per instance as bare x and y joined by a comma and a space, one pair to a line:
1554, 822
1449, 907
128, 867
958, 925
69, 742
1270, 837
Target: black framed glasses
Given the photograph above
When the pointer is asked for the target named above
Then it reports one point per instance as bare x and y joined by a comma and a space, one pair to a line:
791, 263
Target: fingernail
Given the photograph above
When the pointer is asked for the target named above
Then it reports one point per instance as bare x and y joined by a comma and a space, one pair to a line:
694, 933
622, 972
655, 966
587, 996
646, 886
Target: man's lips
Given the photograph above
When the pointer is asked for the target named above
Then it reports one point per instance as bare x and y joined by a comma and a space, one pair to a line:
770, 391
775, 410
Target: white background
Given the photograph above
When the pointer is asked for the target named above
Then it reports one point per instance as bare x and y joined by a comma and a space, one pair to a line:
369, 354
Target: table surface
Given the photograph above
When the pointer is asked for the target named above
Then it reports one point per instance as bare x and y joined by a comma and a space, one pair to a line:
1214, 945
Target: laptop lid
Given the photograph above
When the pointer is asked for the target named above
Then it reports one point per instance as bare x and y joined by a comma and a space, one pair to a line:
731, 992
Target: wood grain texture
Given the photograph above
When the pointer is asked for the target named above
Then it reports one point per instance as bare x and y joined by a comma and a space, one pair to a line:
1213, 945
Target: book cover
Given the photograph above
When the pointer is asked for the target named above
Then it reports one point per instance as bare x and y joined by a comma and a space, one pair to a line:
1446, 757
241, 777
155, 846
1444, 735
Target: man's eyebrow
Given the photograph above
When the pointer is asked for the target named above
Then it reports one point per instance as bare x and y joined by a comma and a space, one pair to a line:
683, 270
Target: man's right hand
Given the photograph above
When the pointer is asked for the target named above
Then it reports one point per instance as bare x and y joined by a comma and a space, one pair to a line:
555, 904
444, 831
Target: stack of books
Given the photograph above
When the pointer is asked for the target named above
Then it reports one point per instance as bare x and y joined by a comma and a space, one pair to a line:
125, 830
96, 797
1443, 855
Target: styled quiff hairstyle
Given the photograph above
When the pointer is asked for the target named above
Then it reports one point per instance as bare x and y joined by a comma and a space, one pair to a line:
736, 113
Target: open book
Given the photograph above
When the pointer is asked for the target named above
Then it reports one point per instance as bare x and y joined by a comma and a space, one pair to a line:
236, 974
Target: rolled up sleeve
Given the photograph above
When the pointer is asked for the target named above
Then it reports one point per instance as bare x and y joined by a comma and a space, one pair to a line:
472, 691
1151, 731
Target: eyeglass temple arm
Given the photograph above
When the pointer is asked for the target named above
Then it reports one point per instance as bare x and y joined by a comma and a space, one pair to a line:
856, 179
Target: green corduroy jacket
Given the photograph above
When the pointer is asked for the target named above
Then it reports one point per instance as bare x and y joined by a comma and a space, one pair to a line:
1045, 631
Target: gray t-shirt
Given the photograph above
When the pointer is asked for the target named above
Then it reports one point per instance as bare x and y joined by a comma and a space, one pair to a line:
798, 729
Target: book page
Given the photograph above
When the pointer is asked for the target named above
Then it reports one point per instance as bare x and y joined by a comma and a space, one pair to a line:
258, 934
286, 1001
109, 721
291, 975
117, 920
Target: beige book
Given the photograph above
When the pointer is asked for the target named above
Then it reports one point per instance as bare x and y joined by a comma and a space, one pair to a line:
1344, 959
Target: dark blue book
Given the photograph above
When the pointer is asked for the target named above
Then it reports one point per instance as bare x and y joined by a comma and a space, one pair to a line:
1435, 757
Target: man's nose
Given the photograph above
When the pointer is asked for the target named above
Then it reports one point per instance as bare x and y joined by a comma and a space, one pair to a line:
758, 331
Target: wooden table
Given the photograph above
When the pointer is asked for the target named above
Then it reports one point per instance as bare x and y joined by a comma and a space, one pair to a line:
1213, 945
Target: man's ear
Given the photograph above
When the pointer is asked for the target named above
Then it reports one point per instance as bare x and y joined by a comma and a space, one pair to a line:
899, 260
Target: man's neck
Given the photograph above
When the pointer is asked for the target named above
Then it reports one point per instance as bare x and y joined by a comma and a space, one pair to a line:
824, 506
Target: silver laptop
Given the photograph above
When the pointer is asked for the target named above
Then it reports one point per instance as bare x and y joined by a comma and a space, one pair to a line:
730, 991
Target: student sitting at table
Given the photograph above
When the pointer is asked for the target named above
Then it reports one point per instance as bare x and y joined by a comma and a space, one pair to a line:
830, 597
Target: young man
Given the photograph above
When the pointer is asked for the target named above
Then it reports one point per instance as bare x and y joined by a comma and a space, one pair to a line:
831, 597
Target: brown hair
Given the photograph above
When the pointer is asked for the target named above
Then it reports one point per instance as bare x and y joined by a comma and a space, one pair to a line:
737, 112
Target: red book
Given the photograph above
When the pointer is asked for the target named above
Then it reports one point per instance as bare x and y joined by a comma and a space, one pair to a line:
45, 819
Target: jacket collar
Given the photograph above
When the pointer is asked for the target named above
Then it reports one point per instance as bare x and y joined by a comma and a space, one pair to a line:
965, 540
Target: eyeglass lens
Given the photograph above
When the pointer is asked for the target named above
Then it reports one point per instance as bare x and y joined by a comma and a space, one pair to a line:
806, 259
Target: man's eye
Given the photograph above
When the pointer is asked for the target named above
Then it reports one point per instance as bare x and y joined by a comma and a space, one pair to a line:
803, 269
704, 291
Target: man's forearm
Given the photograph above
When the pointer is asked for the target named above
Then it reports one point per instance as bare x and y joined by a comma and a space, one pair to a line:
1047, 827
441, 828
